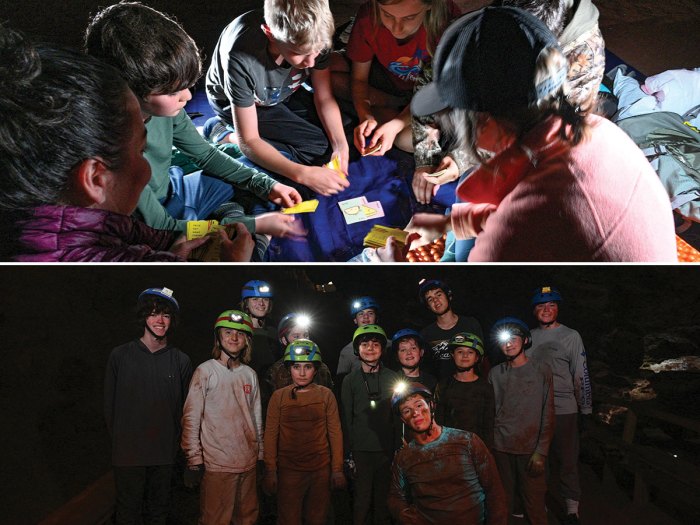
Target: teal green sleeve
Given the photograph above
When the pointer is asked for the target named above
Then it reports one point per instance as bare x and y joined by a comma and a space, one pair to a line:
247, 220
156, 216
153, 213
215, 162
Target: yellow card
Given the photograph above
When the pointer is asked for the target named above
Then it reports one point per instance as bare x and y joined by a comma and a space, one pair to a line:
303, 207
197, 229
334, 165
377, 236
209, 252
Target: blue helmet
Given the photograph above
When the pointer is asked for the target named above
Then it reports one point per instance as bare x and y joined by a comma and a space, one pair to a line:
363, 303
163, 293
511, 326
256, 289
545, 294
431, 284
403, 333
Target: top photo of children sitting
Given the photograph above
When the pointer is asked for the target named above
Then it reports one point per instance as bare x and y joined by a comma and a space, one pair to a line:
411, 131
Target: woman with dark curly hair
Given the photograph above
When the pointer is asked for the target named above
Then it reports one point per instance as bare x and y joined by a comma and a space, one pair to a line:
72, 139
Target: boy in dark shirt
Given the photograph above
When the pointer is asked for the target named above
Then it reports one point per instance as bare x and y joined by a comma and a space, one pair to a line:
253, 83
372, 436
436, 296
465, 400
145, 388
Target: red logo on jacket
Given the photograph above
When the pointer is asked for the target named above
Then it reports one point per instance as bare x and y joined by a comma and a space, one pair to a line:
247, 389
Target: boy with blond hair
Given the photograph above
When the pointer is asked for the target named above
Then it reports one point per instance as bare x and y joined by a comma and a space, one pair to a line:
222, 429
253, 84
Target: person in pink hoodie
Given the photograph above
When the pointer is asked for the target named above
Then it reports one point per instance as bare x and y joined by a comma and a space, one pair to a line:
554, 183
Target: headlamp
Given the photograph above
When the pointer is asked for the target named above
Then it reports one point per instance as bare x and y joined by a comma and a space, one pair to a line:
400, 387
504, 336
264, 289
302, 321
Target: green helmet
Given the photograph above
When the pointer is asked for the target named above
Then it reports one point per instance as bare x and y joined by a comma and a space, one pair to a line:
235, 319
364, 332
466, 340
302, 351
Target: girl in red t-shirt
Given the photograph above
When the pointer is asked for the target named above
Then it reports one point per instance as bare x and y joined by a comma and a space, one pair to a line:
390, 43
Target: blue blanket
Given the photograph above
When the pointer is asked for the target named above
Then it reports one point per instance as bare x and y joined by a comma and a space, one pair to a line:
385, 179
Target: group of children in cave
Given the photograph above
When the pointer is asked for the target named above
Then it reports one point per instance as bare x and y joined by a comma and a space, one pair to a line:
247, 407
116, 173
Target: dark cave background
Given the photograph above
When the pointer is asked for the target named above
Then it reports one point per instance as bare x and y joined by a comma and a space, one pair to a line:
58, 325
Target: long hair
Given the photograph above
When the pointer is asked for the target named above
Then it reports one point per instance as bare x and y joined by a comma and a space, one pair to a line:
246, 351
461, 125
436, 19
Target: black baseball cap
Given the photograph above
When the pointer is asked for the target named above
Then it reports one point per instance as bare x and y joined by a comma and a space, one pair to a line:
486, 62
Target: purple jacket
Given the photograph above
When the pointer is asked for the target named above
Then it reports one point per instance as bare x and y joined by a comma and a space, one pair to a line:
72, 234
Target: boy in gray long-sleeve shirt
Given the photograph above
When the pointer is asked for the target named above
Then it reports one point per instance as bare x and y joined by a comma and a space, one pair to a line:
524, 419
562, 349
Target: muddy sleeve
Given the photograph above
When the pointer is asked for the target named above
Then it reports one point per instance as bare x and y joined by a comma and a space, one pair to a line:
400, 506
496, 506
192, 414
335, 433
272, 431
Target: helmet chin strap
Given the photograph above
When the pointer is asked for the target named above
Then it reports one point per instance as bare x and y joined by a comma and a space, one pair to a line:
464, 368
550, 323
511, 358
372, 368
410, 368
231, 357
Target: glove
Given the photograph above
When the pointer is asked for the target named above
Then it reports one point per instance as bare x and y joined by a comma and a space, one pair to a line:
193, 476
535, 466
338, 481
270, 482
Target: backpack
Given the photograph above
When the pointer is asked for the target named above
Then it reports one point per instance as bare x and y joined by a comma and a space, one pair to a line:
673, 149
